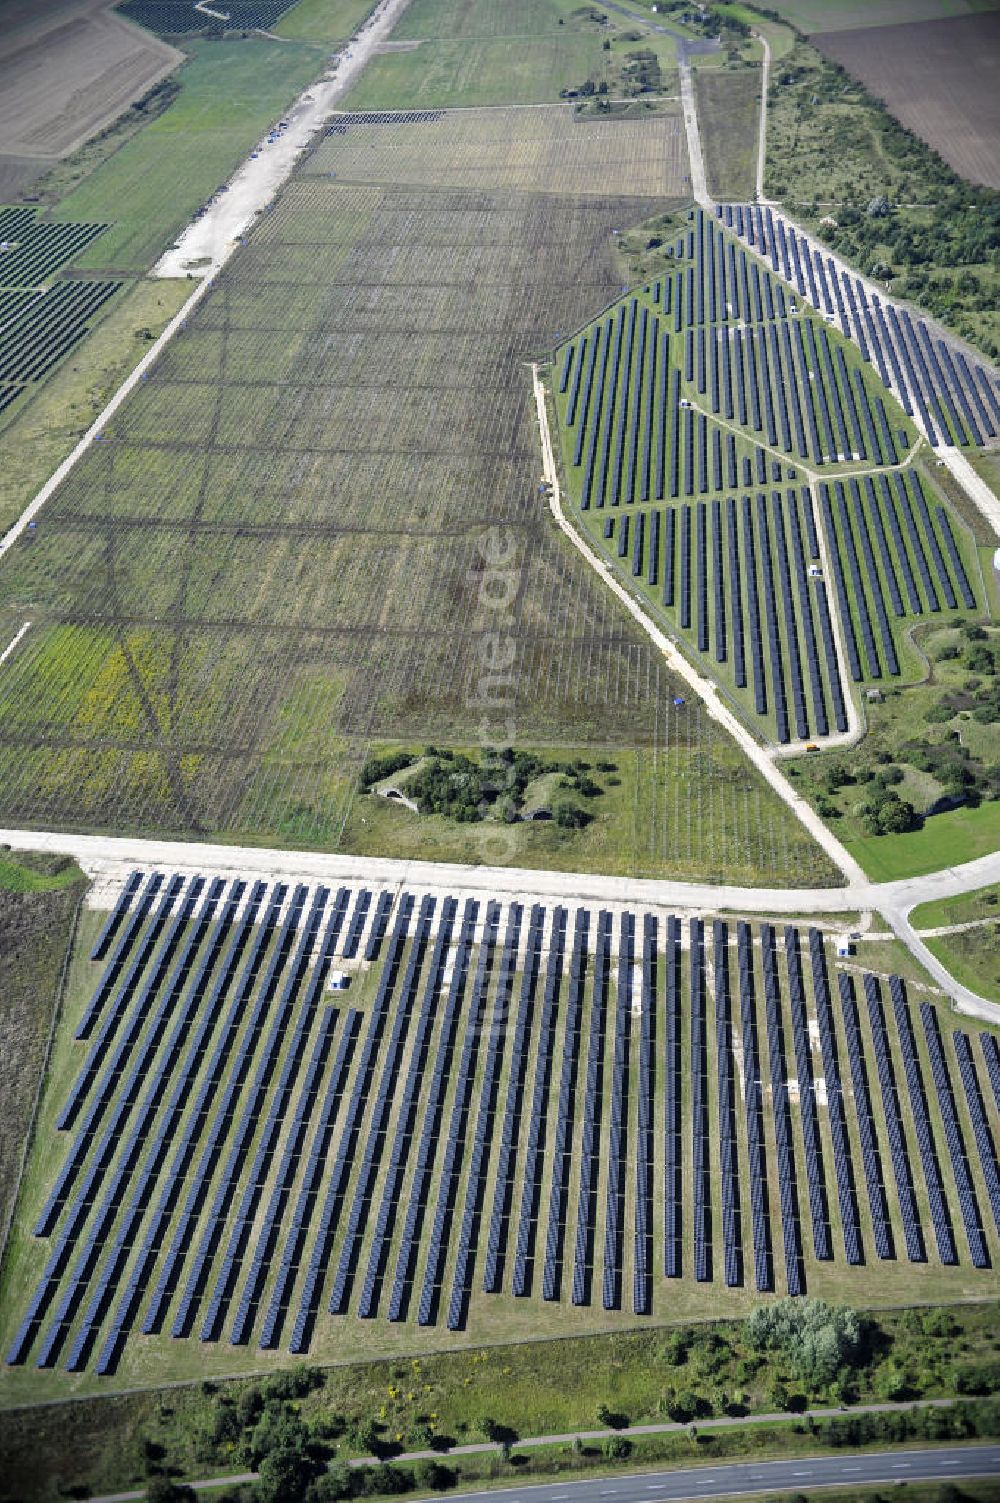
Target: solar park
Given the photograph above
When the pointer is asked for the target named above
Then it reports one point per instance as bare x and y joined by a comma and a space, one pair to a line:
955, 394
42, 315
750, 475
175, 17
511, 1108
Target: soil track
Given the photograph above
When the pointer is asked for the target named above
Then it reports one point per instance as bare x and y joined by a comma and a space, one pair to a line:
939, 78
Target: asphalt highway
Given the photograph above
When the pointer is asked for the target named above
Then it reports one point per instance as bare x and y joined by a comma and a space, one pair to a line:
743, 1478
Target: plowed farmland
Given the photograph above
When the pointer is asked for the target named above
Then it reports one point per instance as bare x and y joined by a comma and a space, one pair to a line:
286, 545
937, 77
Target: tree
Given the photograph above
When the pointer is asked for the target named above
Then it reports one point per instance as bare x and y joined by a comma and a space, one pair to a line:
366, 1436
816, 1339
676, 1345
294, 1383
684, 1406
165, 1490
277, 1430
896, 816
248, 1407
889, 1381
332, 1485
284, 1476
569, 816
432, 1475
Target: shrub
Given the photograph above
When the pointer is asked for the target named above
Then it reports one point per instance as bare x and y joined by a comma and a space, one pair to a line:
816, 1339
374, 769
434, 1476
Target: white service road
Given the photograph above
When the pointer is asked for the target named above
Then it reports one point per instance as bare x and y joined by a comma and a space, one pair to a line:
765, 74
102, 855
209, 242
107, 859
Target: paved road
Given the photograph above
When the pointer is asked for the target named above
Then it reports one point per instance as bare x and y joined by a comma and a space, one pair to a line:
212, 239
740, 1478
103, 855
699, 187
734, 1479
973, 484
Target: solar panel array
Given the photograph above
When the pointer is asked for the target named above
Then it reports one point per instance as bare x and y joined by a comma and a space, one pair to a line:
648, 388
42, 319
957, 397
175, 17
686, 409
736, 577
508, 1104
882, 531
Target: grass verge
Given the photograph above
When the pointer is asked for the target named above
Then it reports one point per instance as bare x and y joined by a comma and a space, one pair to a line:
40, 436
38, 902
542, 1387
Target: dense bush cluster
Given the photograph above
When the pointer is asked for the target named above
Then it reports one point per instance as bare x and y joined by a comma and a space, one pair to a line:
817, 1340
934, 235
963, 774
468, 789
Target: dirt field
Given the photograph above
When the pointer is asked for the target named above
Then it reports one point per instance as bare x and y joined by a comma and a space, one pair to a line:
813, 16
940, 79
79, 53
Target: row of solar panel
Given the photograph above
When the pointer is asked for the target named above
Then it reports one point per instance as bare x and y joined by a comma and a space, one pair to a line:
285, 964
849, 528
956, 396
746, 549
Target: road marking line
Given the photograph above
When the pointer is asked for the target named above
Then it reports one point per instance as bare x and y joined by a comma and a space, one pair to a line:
13, 642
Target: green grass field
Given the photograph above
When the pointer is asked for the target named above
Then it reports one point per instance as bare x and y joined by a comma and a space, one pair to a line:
535, 1387
284, 666
967, 908
972, 955
230, 93
480, 71
668, 811
973, 958
38, 901
323, 21
728, 114
931, 730
444, 53
944, 840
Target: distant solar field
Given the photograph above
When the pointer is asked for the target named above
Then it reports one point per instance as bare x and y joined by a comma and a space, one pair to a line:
175, 17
